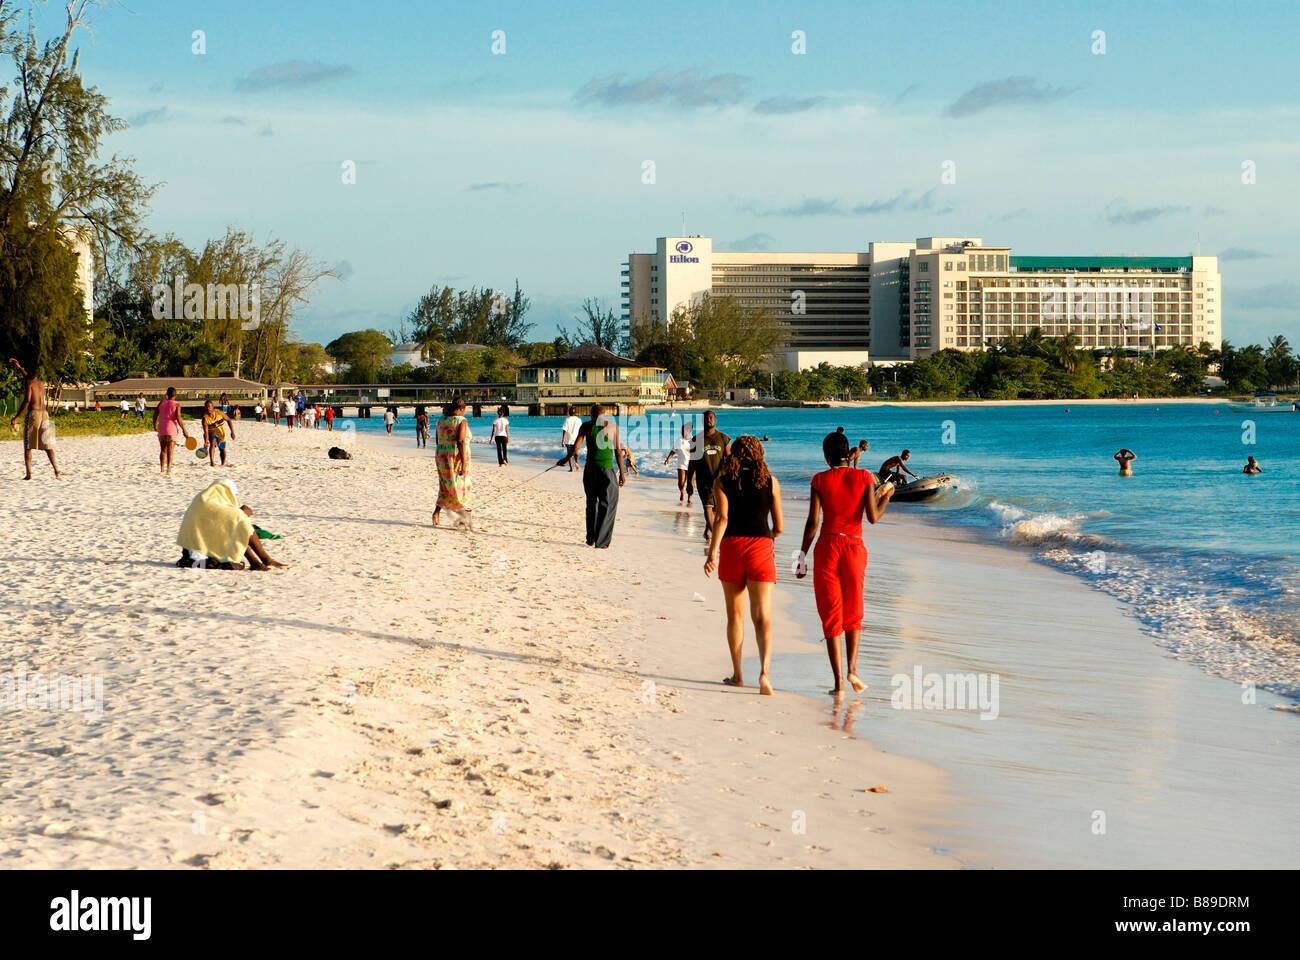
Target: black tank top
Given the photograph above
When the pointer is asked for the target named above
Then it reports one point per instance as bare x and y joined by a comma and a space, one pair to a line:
747, 507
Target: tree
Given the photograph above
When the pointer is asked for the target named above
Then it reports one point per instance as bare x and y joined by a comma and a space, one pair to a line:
597, 325
364, 351
731, 340
52, 186
1279, 363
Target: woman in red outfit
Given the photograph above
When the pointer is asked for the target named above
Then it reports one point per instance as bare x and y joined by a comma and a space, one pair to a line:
840, 497
745, 495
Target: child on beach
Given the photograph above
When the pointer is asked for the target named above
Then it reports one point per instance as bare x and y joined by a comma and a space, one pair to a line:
741, 549
839, 498
214, 430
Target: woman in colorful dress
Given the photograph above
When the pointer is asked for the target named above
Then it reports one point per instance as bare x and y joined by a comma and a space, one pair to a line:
451, 445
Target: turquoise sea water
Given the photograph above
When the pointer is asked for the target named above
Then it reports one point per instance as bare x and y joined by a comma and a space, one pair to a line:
1208, 559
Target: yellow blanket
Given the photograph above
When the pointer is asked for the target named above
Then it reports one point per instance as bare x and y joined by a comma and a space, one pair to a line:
215, 526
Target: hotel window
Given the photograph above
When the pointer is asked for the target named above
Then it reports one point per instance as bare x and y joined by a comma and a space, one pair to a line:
580, 375
961, 266
924, 266
947, 264
552, 375
611, 374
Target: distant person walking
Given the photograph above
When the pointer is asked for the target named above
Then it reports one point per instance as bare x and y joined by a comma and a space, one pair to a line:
390, 418
124, 409
1126, 458
708, 450
501, 434
421, 427
838, 500
569, 436
602, 476
140, 406
681, 455
37, 430
329, 420
741, 549
451, 453
168, 422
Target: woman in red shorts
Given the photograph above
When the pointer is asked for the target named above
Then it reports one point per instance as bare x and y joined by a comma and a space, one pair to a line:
840, 496
746, 495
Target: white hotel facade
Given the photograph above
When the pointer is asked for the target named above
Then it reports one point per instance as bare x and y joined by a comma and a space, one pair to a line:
900, 301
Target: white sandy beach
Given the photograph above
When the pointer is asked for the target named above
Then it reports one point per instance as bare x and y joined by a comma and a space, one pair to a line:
405, 697
402, 696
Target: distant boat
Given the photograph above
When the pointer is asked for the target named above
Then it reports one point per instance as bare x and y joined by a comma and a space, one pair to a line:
1264, 403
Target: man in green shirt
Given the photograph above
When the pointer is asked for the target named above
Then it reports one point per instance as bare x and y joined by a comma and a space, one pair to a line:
600, 481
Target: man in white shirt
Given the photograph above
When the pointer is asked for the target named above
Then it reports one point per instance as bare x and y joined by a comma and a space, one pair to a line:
125, 407
569, 436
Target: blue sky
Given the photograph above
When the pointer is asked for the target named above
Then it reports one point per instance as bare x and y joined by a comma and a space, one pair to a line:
475, 168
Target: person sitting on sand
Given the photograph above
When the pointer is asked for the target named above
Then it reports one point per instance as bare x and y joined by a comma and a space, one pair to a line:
839, 498
741, 549
856, 452
214, 431
36, 435
892, 470
1125, 458
216, 532
1252, 466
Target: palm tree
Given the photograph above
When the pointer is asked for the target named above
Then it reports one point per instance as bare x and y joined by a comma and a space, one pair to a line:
1279, 362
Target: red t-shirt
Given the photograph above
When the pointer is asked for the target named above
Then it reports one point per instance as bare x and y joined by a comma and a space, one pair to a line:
843, 493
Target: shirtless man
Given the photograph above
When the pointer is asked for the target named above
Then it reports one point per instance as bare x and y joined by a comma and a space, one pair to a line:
34, 406
857, 451
1252, 466
1126, 457
894, 468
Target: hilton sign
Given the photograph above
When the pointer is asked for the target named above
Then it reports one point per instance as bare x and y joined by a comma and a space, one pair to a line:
683, 248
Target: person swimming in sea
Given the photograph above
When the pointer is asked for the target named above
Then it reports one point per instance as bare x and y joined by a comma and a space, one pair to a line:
1252, 466
1125, 458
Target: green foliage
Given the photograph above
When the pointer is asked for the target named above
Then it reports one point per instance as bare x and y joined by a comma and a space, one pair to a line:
486, 317
714, 342
599, 326
364, 351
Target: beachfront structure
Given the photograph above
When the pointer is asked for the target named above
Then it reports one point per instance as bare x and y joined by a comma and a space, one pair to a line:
899, 301
590, 374
187, 388
823, 298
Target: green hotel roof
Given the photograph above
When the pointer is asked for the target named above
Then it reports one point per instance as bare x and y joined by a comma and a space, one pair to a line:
1101, 263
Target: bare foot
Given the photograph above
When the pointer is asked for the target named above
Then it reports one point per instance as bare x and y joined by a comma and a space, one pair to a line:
765, 685
733, 681
435, 521
277, 565
836, 692
857, 685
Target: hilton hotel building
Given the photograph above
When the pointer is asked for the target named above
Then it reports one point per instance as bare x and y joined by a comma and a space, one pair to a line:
899, 301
